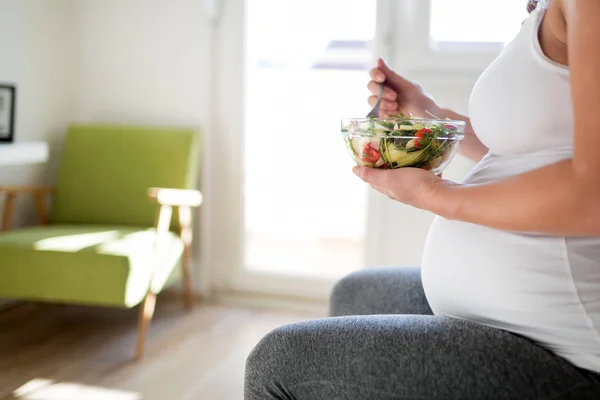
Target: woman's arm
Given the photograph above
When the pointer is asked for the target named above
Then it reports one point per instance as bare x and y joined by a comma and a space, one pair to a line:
556, 199
562, 198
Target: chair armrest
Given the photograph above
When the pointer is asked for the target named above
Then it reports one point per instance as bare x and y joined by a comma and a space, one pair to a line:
184, 200
30, 189
176, 197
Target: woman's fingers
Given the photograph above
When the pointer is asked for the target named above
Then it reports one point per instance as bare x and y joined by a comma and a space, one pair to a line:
372, 101
374, 87
382, 67
377, 75
388, 93
389, 105
386, 105
391, 77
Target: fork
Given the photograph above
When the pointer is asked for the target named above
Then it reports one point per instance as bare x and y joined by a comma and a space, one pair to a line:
374, 113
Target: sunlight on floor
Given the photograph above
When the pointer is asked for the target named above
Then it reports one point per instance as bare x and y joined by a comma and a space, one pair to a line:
46, 389
74, 243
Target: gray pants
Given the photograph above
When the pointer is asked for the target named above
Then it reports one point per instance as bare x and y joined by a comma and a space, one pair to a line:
383, 343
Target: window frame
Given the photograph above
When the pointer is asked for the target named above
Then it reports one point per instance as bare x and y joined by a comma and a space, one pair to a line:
412, 33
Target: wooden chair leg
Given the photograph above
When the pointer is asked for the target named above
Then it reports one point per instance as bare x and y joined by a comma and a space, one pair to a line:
40, 206
163, 220
9, 206
146, 313
185, 222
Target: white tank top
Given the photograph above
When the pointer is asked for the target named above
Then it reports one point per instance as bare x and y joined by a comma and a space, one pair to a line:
546, 288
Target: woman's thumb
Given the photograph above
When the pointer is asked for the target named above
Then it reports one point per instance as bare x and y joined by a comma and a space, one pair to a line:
383, 67
390, 75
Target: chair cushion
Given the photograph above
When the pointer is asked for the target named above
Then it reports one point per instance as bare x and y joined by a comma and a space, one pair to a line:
87, 264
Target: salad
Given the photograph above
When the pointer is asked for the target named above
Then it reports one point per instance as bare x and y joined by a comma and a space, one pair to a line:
398, 141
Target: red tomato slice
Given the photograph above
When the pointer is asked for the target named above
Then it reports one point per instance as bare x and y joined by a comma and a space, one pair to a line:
422, 131
369, 154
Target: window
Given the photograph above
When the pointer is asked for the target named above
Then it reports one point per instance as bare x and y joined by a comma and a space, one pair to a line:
469, 22
450, 36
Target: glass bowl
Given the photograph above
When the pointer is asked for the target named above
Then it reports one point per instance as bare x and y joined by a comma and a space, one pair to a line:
399, 142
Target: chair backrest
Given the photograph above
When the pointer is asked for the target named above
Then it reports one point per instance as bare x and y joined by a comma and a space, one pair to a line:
106, 170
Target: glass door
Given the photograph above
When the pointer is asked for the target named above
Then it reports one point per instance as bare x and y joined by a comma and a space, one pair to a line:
303, 215
306, 67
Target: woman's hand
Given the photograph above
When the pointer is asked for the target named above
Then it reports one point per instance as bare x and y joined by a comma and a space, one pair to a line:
399, 95
413, 186
403, 96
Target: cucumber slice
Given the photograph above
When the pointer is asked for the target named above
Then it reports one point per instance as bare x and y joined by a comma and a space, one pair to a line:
405, 159
355, 144
381, 127
350, 145
395, 155
380, 130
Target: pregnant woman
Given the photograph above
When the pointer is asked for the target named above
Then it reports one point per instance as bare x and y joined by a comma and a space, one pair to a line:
508, 304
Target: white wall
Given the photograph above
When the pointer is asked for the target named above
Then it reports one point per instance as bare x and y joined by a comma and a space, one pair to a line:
143, 61
36, 42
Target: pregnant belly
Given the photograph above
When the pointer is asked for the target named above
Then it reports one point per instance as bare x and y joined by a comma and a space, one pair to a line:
475, 272
542, 287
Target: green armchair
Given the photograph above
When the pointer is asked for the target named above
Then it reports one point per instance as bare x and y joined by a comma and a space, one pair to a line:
109, 239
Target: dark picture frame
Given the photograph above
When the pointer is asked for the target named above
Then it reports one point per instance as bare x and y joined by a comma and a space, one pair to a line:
8, 99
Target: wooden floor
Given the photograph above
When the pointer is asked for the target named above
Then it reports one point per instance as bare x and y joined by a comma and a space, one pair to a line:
83, 353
